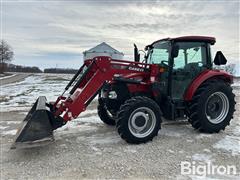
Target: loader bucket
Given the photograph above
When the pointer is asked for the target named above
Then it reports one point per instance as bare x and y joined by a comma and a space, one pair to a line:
37, 127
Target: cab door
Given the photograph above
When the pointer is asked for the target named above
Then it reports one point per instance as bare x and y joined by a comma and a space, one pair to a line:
190, 62
159, 54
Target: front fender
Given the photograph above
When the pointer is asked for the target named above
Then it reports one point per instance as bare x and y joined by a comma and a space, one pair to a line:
204, 76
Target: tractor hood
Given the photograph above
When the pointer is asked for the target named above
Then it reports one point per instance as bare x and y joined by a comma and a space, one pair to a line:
132, 78
136, 75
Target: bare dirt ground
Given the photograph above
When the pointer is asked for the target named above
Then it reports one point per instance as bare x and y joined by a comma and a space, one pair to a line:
88, 149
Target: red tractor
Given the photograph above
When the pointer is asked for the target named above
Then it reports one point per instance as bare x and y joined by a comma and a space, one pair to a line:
176, 80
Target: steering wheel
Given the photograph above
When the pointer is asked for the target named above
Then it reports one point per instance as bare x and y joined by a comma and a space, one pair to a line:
200, 62
164, 63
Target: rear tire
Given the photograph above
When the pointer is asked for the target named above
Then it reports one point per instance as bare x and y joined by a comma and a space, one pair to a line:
139, 120
212, 106
104, 115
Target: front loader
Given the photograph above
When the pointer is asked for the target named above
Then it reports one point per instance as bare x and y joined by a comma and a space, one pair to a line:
175, 81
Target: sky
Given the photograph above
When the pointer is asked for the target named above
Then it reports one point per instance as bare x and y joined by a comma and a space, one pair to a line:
55, 33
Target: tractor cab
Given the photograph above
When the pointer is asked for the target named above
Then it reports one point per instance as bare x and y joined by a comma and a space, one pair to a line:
180, 60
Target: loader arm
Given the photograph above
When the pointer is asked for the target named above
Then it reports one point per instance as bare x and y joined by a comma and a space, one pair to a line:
97, 72
37, 128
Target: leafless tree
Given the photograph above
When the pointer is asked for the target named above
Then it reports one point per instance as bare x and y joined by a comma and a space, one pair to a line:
6, 54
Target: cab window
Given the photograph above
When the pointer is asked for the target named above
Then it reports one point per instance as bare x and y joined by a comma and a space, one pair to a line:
191, 54
159, 52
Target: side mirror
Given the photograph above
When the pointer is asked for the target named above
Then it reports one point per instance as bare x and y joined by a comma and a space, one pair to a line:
136, 54
219, 59
175, 50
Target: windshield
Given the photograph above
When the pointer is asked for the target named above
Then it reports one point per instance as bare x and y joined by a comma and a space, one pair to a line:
158, 52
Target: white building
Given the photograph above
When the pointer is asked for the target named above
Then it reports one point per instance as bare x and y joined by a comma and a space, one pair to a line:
102, 49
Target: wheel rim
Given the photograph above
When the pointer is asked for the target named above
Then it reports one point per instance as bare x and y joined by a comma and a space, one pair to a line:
142, 122
217, 107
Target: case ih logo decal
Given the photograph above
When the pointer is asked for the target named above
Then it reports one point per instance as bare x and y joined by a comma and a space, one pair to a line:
136, 69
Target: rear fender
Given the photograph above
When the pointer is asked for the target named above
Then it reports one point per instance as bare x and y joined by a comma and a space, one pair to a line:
204, 76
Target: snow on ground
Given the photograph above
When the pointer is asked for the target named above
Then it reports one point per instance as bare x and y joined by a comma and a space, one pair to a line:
236, 82
3, 127
13, 122
5, 77
20, 96
202, 157
202, 136
77, 123
88, 112
10, 132
231, 142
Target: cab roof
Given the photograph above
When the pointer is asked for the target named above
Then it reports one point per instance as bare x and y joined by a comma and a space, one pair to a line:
206, 39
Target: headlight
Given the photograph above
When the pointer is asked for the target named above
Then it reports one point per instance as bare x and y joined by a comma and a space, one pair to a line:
112, 95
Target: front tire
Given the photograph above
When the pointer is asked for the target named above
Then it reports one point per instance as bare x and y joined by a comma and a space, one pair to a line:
139, 120
104, 114
212, 106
